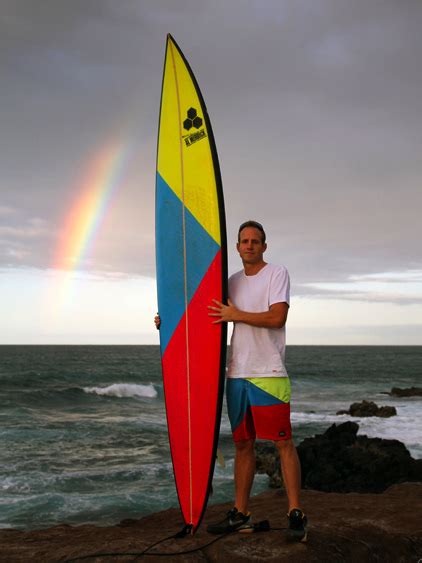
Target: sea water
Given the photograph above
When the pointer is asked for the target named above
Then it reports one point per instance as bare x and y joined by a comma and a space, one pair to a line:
83, 436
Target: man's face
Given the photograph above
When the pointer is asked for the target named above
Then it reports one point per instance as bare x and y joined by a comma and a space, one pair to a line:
251, 248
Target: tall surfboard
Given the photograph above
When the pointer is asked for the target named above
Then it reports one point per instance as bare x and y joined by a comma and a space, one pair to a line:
191, 259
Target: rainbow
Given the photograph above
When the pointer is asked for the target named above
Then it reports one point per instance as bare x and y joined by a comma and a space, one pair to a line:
99, 182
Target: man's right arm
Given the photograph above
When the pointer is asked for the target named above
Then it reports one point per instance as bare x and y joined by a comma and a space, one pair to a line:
275, 317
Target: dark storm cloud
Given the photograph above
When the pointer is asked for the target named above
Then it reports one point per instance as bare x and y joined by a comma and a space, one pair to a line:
316, 111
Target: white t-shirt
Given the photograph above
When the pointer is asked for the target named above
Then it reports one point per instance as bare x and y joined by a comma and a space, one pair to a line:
258, 351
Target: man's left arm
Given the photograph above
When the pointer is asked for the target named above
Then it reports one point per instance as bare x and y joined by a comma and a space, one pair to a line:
275, 317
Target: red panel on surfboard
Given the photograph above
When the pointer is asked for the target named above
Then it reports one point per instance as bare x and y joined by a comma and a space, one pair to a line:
194, 440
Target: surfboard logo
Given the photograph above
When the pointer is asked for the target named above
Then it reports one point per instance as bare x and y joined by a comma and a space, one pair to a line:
193, 121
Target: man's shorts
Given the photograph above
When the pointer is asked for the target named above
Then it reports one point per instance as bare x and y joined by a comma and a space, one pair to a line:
259, 407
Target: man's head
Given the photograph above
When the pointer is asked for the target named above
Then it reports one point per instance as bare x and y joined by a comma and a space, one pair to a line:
251, 243
255, 225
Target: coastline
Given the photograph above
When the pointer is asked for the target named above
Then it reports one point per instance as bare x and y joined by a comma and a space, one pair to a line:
343, 527
82, 445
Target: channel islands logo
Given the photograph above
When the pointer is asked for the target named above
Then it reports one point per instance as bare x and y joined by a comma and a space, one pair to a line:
193, 121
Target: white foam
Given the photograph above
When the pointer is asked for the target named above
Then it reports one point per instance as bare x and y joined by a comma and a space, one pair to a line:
309, 418
124, 390
8, 487
402, 428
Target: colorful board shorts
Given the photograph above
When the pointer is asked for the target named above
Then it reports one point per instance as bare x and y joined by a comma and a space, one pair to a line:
259, 407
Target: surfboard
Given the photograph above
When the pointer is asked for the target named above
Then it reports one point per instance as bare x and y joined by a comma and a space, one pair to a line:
191, 261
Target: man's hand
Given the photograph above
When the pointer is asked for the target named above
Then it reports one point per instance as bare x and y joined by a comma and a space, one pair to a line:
226, 313
157, 321
275, 317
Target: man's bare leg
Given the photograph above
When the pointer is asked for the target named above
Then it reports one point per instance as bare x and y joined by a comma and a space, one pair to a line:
290, 467
244, 472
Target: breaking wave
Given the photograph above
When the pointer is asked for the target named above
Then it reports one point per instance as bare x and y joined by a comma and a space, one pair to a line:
124, 390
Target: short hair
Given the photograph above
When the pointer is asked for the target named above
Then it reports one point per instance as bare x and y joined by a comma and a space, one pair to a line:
255, 225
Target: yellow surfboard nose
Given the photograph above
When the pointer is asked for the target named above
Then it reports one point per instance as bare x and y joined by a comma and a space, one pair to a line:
185, 161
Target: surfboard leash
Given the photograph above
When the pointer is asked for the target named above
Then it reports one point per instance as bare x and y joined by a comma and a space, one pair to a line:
263, 526
147, 549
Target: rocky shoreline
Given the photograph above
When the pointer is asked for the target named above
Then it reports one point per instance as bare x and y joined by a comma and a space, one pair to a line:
343, 527
363, 497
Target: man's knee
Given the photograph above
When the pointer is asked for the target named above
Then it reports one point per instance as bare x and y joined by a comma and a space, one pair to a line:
284, 445
245, 446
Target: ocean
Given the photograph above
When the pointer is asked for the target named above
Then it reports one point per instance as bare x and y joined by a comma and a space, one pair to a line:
83, 435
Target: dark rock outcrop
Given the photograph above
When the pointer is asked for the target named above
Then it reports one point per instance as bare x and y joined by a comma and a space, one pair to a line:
409, 392
268, 461
369, 408
346, 528
341, 461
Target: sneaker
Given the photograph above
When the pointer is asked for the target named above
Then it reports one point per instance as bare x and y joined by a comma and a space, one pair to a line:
234, 521
297, 530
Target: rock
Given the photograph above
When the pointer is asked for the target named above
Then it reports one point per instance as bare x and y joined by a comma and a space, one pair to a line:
341, 461
386, 412
346, 528
410, 392
369, 408
268, 461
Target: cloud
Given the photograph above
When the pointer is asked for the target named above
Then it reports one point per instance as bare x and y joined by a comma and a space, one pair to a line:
6, 211
25, 242
35, 229
315, 107
410, 276
403, 288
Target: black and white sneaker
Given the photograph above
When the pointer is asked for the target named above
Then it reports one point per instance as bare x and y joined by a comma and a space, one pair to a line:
297, 530
234, 521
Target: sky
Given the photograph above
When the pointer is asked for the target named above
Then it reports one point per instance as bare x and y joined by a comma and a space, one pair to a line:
316, 108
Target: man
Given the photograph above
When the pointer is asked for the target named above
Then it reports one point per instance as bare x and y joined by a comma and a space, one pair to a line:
258, 387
